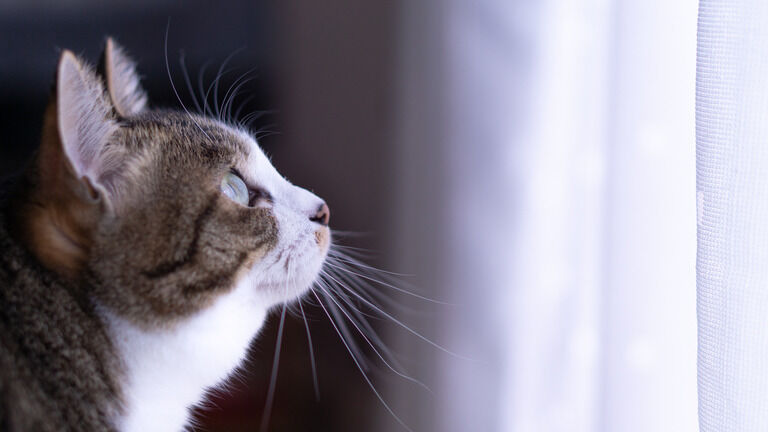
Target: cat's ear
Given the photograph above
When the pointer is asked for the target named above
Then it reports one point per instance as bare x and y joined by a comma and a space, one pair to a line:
69, 188
123, 84
84, 118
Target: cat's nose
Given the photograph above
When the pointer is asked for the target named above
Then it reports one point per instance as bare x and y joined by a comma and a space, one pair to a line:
323, 215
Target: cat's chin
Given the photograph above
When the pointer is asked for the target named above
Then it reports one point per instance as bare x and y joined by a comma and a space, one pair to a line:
278, 293
291, 285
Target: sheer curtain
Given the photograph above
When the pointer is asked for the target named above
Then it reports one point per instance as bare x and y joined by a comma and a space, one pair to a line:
732, 192
546, 188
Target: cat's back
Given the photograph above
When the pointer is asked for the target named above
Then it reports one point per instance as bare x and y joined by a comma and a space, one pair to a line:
57, 366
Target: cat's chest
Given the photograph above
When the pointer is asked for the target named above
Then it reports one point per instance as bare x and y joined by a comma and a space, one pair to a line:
166, 372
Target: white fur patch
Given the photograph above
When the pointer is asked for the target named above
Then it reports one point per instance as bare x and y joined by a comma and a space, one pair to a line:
168, 371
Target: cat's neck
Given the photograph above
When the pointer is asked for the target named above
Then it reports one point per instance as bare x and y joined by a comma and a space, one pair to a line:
167, 371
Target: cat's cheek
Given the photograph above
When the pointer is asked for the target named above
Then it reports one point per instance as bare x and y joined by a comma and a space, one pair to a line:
314, 254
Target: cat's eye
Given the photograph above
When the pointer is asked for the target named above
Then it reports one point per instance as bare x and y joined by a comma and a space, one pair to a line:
235, 189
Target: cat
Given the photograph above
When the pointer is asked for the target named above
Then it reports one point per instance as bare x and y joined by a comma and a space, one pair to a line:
140, 253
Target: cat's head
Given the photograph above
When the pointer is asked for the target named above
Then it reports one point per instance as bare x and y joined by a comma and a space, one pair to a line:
159, 213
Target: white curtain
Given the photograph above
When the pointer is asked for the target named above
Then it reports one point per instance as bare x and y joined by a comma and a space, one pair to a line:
732, 192
546, 188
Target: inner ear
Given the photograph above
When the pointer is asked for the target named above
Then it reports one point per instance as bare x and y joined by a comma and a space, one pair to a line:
123, 84
84, 117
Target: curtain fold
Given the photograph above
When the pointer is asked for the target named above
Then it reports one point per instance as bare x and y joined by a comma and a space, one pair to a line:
732, 195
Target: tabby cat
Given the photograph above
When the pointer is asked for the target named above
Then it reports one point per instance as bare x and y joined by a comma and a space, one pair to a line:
139, 255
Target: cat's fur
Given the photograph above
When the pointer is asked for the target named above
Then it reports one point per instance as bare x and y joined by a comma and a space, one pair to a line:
129, 283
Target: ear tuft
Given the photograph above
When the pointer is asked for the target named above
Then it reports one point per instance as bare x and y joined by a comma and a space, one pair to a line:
128, 97
84, 117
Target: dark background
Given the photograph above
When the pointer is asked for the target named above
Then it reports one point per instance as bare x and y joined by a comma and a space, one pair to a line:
325, 73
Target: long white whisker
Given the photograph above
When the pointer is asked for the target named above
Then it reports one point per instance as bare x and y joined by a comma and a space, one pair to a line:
362, 333
373, 295
348, 336
366, 326
275, 363
220, 75
201, 86
265, 132
354, 251
252, 116
388, 285
370, 384
338, 246
357, 234
173, 86
341, 256
243, 103
311, 353
382, 275
344, 295
231, 93
273, 378
398, 322
185, 72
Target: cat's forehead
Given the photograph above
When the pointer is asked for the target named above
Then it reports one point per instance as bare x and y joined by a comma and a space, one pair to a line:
186, 132
178, 141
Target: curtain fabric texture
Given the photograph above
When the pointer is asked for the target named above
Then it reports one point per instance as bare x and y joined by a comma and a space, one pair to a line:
732, 194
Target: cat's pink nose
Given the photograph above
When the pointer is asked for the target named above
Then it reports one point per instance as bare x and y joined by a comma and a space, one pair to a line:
323, 215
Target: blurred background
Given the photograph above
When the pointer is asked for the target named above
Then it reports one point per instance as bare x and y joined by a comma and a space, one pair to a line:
531, 164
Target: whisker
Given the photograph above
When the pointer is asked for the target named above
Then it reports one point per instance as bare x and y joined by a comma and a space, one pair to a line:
373, 295
173, 86
275, 361
231, 93
214, 82
348, 336
311, 354
220, 75
356, 234
338, 246
265, 133
243, 103
187, 80
361, 316
404, 291
273, 377
361, 253
370, 384
363, 286
253, 115
343, 294
369, 295
399, 323
350, 260
352, 321
201, 87
373, 335
246, 119
293, 310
